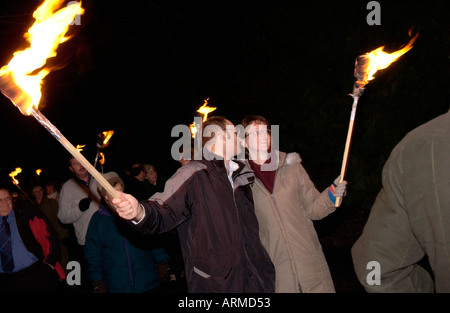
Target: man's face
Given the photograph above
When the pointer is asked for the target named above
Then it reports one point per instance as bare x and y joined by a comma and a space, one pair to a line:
5, 202
231, 144
77, 169
257, 139
225, 143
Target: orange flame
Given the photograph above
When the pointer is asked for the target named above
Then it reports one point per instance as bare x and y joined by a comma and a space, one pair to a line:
205, 110
378, 60
107, 134
38, 172
80, 147
13, 175
22, 78
193, 128
102, 160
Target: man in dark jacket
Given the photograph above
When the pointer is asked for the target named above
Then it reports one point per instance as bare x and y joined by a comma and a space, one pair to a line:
210, 201
29, 248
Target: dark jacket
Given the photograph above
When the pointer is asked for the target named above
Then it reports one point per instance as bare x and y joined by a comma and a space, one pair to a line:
124, 261
38, 236
217, 226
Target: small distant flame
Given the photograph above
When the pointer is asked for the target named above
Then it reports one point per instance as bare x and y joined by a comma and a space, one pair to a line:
80, 147
102, 160
368, 64
38, 172
205, 110
13, 175
107, 136
22, 78
193, 128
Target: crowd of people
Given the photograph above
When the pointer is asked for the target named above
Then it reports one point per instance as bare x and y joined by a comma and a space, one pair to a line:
79, 226
222, 224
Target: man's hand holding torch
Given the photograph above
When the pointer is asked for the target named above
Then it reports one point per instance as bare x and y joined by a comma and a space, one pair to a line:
126, 206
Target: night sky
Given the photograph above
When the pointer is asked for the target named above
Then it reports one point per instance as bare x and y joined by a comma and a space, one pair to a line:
142, 67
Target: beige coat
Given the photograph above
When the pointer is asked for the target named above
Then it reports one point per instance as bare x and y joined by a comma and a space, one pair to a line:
287, 231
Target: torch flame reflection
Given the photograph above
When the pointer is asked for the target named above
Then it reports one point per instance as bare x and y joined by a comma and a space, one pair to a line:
21, 78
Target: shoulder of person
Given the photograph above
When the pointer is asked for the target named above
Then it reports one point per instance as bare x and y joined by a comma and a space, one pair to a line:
292, 158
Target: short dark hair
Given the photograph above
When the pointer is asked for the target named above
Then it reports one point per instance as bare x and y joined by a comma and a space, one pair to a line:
135, 170
214, 120
258, 119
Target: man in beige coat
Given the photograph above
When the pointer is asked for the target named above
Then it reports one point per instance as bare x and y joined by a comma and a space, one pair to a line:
286, 203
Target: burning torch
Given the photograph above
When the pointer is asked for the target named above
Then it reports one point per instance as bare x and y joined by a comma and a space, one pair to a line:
366, 66
196, 125
204, 110
102, 142
13, 175
22, 77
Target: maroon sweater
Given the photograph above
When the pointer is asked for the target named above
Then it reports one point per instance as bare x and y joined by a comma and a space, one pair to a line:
266, 177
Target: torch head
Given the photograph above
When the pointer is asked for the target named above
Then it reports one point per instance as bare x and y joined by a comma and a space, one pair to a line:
13, 92
360, 73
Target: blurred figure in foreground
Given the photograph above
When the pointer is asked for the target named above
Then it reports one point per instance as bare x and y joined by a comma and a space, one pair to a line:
409, 221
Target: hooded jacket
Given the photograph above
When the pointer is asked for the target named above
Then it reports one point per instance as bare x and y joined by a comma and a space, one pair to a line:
286, 226
217, 226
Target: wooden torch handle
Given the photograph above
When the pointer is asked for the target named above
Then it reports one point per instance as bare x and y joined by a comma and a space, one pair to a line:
347, 146
72, 150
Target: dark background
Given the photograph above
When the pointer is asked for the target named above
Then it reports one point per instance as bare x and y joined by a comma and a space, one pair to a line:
142, 67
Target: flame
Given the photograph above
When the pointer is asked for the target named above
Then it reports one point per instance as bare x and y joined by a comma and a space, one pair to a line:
193, 128
38, 172
107, 136
102, 160
369, 63
80, 147
13, 175
205, 110
22, 77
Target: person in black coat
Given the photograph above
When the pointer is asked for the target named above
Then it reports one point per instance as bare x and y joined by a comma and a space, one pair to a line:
210, 202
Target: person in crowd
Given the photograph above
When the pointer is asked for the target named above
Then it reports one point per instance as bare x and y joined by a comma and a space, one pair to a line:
210, 203
49, 206
169, 240
118, 259
78, 201
29, 248
286, 204
153, 182
52, 190
404, 246
136, 183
